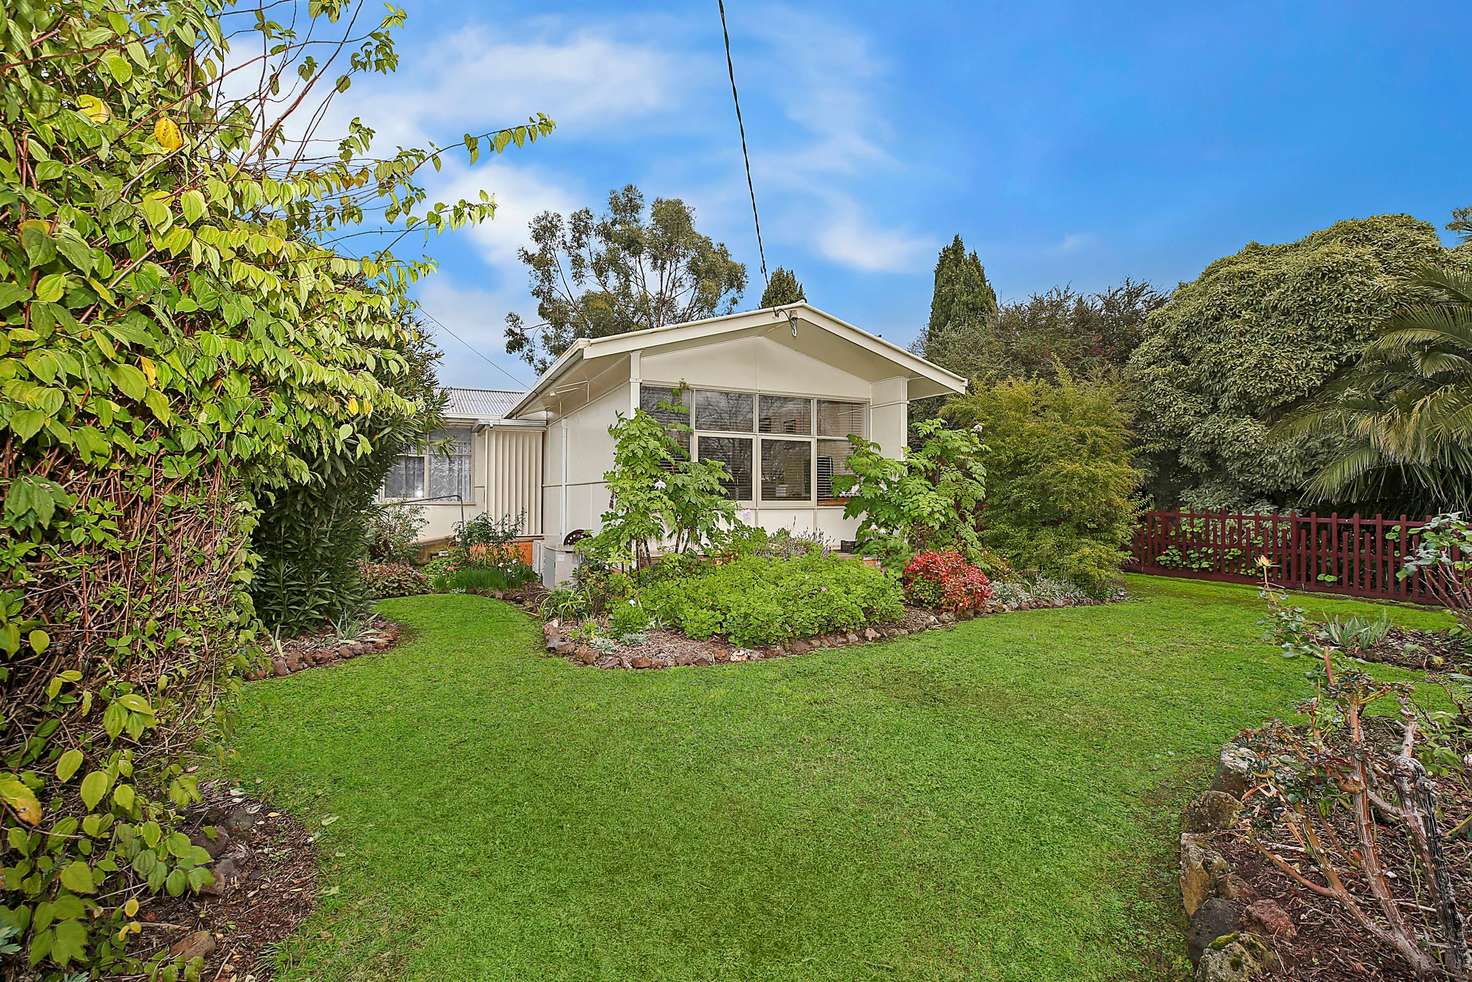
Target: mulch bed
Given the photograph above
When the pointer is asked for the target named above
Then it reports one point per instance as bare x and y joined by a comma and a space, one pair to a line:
1327, 944
663, 648
265, 885
1427, 651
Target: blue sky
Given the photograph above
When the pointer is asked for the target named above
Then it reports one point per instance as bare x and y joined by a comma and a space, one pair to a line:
1067, 143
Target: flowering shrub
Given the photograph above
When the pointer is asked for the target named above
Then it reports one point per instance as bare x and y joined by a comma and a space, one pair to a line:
945, 580
384, 580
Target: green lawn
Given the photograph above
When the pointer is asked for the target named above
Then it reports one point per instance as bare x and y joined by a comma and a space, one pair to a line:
998, 801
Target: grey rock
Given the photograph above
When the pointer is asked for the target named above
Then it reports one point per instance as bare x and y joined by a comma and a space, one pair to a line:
225, 877
870, 634
1235, 958
1211, 811
1204, 873
1213, 919
1234, 770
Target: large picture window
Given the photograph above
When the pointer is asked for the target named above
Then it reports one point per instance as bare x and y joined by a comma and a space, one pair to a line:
735, 453
652, 397
837, 421
726, 411
440, 469
787, 470
777, 448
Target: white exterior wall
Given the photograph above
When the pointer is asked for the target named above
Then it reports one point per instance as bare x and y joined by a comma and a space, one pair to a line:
578, 451
505, 468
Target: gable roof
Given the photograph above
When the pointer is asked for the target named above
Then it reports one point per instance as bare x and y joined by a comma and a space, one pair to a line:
480, 404
589, 348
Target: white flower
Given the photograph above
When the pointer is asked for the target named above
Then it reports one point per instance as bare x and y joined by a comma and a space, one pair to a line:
659, 485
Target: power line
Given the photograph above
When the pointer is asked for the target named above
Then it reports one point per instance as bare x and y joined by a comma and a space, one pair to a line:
741, 125
478, 353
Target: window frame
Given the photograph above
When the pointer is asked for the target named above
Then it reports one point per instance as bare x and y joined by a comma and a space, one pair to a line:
424, 454
756, 436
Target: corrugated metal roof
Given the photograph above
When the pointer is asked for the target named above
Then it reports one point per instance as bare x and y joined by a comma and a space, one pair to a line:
485, 404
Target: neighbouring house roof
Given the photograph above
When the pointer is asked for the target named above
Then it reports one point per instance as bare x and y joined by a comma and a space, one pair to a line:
484, 405
927, 378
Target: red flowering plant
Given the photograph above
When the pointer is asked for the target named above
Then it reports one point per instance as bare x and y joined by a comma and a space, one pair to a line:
946, 581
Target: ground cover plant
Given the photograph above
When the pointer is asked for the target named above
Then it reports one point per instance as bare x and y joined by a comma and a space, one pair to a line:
757, 601
996, 801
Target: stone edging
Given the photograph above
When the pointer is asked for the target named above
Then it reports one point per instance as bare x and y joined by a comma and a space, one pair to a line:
1229, 934
716, 652
295, 656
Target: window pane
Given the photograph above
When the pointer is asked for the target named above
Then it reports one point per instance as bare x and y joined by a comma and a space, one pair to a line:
650, 396
405, 479
786, 414
450, 475
735, 452
832, 459
787, 470
723, 411
841, 418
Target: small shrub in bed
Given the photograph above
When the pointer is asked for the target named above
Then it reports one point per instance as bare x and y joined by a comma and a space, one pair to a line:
384, 580
756, 601
946, 581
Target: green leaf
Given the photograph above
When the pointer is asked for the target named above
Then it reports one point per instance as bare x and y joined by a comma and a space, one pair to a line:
76, 876
129, 379
135, 703
27, 423
67, 765
118, 67
51, 287
94, 786
192, 204
39, 640
21, 798
70, 942
176, 882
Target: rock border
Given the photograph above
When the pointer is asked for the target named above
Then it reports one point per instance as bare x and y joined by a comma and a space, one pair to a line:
313, 651
1229, 934
715, 651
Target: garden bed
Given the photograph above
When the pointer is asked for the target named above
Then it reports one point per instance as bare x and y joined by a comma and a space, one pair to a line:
1426, 651
665, 648
265, 868
1234, 896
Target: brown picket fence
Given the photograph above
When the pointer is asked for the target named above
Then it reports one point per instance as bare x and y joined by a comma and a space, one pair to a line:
1348, 554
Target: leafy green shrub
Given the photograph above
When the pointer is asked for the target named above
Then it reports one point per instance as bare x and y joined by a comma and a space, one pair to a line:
179, 347
931, 498
393, 531
566, 604
628, 617
757, 601
496, 533
1245, 342
659, 495
313, 537
384, 580
1060, 483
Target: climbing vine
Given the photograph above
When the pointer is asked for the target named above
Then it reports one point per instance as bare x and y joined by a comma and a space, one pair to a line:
183, 335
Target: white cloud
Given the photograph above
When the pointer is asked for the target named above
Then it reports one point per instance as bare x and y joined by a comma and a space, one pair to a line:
479, 80
852, 238
477, 316
520, 194
1070, 243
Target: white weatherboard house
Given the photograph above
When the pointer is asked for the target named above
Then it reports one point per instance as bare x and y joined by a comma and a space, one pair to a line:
774, 394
